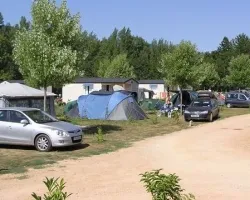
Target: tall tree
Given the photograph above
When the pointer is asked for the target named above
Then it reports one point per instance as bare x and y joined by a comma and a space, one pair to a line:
119, 67
1, 20
239, 72
207, 76
44, 52
241, 44
178, 67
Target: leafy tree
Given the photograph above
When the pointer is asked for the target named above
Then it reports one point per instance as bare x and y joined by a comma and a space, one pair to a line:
241, 44
24, 23
44, 52
1, 20
119, 67
207, 76
178, 67
239, 72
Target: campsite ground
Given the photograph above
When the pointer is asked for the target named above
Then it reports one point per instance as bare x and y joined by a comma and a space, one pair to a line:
16, 159
212, 160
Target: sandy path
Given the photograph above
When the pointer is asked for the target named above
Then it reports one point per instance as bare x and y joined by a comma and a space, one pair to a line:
212, 160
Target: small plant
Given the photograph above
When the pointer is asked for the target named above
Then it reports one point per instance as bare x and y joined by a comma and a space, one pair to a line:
175, 115
55, 190
100, 135
164, 187
155, 119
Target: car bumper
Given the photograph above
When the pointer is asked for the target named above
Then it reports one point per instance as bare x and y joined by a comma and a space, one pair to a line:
67, 141
196, 116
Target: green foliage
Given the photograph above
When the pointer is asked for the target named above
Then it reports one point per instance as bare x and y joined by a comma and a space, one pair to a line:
119, 67
44, 52
99, 135
55, 190
164, 187
154, 119
175, 115
178, 67
239, 72
207, 76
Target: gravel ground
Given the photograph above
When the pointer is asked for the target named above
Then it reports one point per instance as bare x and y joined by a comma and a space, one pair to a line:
212, 160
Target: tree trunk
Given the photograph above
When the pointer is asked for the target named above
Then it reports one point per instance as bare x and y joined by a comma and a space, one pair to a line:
181, 99
45, 99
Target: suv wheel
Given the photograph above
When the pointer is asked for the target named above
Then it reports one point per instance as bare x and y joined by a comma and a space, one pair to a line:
43, 143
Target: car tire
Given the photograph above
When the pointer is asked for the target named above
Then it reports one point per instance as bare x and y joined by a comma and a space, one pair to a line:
187, 120
210, 117
43, 143
229, 105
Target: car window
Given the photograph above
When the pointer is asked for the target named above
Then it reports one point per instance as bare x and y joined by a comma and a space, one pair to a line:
16, 116
201, 103
3, 116
242, 97
232, 96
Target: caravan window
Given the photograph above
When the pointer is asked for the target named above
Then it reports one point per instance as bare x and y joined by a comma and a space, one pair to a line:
153, 86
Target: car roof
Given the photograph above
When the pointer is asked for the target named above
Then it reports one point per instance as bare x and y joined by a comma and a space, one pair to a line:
19, 108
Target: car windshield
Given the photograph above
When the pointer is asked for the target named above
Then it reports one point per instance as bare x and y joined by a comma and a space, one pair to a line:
39, 116
247, 94
201, 103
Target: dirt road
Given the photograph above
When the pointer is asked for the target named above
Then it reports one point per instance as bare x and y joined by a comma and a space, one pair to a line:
213, 161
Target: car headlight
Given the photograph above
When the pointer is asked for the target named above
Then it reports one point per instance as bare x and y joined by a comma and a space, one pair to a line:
204, 112
186, 111
61, 133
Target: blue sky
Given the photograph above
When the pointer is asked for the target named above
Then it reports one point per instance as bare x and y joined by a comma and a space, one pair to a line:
204, 22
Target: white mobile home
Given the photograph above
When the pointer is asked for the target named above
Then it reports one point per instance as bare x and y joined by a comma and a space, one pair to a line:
157, 86
84, 86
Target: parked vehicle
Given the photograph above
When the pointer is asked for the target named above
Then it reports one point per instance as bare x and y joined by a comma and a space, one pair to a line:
237, 99
202, 109
31, 126
206, 94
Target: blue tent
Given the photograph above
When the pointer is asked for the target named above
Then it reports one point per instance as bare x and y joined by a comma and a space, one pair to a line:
119, 105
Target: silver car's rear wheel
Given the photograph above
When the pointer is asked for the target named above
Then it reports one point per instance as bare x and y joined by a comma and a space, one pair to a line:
43, 143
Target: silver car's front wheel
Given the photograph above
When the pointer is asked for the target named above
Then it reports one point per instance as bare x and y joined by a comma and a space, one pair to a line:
43, 143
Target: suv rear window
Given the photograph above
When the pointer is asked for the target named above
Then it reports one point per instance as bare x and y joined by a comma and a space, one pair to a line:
232, 96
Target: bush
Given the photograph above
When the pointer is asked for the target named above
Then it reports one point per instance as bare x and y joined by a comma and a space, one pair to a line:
55, 190
100, 135
154, 119
164, 187
175, 115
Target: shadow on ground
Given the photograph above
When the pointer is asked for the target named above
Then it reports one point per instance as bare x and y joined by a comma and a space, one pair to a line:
105, 128
31, 148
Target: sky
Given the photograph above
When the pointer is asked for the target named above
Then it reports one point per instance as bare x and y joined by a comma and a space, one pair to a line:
203, 22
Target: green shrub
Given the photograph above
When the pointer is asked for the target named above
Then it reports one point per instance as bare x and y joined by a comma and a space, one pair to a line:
154, 119
55, 190
175, 115
99, 135
164, 187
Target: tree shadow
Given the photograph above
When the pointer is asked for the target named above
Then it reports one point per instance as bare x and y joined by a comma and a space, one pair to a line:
107, 129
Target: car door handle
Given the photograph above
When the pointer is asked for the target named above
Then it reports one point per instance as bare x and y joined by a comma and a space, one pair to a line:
10, 127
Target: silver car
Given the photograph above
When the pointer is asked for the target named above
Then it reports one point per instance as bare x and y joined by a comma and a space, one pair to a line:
31, 126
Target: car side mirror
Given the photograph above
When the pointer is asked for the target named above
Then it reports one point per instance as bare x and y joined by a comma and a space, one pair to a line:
24, 121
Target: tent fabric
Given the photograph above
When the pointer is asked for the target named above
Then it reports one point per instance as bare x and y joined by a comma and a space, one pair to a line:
19, 90
151, 104
115, 106
69, 106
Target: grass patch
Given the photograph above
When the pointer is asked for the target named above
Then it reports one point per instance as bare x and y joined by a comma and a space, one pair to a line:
117, 134
22, 177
